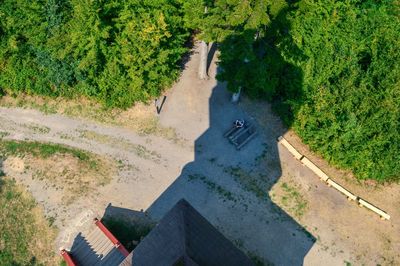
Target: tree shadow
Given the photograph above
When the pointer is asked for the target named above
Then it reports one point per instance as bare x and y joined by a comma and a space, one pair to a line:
288, 97
189, 44
212, 48
258, 65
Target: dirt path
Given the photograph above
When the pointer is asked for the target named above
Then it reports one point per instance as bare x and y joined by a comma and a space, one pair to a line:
246, 194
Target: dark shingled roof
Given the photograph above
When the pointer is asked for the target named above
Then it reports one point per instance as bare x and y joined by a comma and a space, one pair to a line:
185, 237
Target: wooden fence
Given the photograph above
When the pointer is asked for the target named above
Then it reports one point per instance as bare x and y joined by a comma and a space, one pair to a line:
326, 179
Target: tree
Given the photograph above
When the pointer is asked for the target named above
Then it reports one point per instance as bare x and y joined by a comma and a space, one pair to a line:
350, 106
330, 69
117, 52
223, 19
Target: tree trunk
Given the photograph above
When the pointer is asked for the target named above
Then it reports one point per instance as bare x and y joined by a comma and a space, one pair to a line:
203, 60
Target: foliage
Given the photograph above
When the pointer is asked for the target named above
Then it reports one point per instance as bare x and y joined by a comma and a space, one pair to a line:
350, 105
222, 18
26, 237
118, 52
329, 67
235, 25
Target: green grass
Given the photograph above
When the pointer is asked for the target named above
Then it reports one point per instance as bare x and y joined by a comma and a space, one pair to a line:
256, 184
72, 172
293, 199
42, 150
26, 237
222, 192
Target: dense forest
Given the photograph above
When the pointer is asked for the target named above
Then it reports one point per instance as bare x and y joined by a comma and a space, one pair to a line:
330, 68
115, 51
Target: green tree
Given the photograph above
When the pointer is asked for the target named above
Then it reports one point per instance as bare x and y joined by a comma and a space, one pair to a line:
118, 52
330, 68
221, 19
350, 109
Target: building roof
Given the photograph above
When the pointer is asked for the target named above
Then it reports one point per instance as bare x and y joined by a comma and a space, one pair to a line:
185, 237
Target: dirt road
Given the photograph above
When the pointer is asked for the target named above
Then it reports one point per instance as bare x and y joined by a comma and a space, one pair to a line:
260, 197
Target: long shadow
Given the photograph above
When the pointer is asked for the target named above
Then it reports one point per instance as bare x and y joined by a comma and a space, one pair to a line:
230, 187
213, 182
89, 254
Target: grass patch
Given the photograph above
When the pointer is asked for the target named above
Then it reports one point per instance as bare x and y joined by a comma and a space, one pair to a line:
256, 184
222, 192
37, 128
140, 118
43, 150
3, 134
263, 155
26, 237
140, 150
128, 233
257, 260
69, 171
290, 199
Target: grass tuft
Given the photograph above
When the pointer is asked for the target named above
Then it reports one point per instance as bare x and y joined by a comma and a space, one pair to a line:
38, 149
70, 171
26, 237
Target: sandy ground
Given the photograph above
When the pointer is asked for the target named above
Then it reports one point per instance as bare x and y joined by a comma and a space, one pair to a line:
240, 192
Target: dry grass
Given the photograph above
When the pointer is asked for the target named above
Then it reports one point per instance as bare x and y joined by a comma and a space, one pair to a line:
37, 128
285, 194
26, 236
73, 172
141, 118
120, 143
252, 182
3, 134
289, 197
